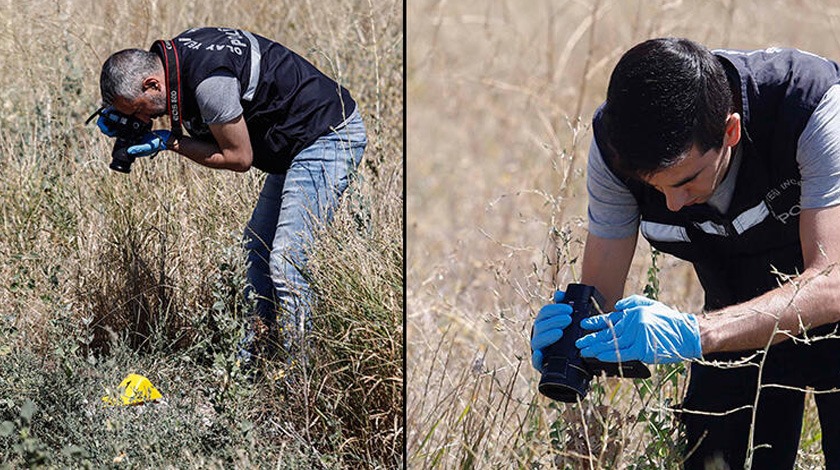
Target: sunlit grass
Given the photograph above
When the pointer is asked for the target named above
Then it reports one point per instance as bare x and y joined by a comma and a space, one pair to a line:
501, 95
105, 274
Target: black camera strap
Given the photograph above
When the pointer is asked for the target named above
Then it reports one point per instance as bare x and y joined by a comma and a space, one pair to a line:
172, 71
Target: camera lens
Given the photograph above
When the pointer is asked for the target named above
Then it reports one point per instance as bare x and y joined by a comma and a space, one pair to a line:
121, 166
564, 380
120, 160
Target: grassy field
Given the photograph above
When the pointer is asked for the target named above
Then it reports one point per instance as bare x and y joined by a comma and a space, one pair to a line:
500, 97
105, 274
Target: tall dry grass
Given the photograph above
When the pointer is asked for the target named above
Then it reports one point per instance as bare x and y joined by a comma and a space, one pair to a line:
104, 273
501, 95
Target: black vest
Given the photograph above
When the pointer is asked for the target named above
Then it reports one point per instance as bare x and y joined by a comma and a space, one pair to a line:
287, 103
736, 254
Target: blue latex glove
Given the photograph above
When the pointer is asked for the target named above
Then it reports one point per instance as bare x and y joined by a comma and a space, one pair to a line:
152, 143
641, 329
107, 121
548, 327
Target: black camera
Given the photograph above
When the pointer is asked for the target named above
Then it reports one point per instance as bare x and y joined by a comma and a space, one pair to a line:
566, 374
128, 131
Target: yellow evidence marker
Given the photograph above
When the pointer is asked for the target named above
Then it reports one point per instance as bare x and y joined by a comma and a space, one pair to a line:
134, 390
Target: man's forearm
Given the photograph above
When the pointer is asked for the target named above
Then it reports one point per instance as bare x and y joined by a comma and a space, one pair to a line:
207, 154
808, 301
606, 262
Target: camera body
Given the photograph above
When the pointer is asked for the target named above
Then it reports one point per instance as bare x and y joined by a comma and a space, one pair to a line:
566, 374
128, 131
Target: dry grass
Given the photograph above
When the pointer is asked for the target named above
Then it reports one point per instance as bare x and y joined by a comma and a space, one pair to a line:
104, 272
501, 94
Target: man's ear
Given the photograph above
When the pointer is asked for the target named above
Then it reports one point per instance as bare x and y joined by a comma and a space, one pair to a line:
733, 130
151, 83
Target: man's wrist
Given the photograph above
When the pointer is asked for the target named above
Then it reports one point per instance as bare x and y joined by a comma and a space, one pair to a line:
706, 337
696, 337
173, 142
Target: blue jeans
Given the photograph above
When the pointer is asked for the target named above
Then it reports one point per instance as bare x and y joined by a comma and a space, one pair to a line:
290, 205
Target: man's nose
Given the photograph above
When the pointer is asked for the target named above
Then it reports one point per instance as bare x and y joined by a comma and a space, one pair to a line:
676, 198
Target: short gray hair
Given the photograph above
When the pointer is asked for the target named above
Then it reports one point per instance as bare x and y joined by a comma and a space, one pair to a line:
123, 74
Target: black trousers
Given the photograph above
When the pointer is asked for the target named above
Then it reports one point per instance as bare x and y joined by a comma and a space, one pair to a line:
727, 395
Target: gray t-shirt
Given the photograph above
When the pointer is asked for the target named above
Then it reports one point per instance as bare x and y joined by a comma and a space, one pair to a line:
218, 99
613, 212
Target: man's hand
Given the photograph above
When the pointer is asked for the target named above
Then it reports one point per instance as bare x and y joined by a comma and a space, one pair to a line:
152, 143
108, 120
548, 327
641, 329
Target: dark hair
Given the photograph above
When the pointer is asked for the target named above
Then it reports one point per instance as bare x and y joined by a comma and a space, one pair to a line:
124, 71
664, 96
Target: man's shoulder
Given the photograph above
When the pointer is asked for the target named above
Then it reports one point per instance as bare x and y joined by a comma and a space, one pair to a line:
199, 30
780, 64
213, 34
768, 54
599, 132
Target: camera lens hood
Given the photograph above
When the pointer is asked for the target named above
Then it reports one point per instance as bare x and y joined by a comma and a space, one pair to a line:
564, 380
